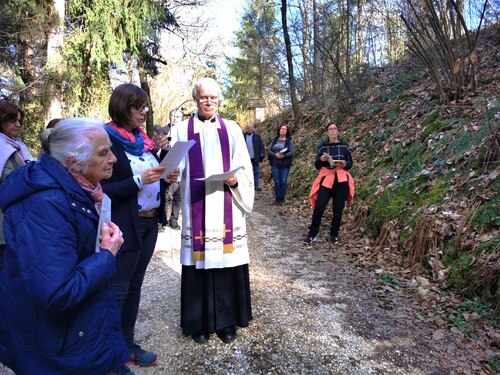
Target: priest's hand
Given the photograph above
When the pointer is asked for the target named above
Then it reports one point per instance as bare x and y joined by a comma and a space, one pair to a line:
231, 181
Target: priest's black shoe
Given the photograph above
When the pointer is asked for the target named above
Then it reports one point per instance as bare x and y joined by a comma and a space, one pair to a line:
200, 337
227, 334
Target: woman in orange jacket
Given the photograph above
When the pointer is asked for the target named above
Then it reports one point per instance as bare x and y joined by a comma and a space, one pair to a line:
333, 161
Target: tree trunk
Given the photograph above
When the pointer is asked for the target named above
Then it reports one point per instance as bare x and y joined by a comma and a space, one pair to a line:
54, 42
289, 59
304, 7
348, 40
143, 78
360, 34
316, 52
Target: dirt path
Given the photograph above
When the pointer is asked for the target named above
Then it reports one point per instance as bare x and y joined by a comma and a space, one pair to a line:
314, 313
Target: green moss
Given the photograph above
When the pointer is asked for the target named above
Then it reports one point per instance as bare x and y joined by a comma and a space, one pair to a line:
460, 270
431, 118
400, 203
465, 140
393, 112
488, 246
487, 216
431, 129
436, 194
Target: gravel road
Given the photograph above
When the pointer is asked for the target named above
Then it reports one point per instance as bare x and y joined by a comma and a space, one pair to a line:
314, 313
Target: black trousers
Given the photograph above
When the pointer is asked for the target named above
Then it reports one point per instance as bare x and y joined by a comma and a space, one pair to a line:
214, 299
338, 193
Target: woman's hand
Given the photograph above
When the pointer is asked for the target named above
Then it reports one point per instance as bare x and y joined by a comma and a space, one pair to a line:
111, 237
172, 177
231, 181
279, 155
339, 164
324, 157
152, 174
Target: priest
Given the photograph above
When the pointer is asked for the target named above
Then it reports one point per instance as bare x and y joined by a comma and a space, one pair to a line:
217, 191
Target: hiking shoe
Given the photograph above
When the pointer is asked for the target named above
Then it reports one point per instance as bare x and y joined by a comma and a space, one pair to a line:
121, 370
141, 357
334, 240
309, 240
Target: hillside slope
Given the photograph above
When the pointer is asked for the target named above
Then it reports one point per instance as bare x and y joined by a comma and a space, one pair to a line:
426, 212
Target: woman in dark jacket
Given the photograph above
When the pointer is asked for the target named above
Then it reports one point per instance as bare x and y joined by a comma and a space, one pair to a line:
58, 311
280, 154
333, 161
138, 203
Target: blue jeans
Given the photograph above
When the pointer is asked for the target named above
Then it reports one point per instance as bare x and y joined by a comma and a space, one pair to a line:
130, 270
280, 176
256, 173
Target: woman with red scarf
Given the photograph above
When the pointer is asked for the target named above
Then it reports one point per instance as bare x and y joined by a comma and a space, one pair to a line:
137, 194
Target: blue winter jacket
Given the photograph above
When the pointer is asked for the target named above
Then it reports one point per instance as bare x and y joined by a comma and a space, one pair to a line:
58, 313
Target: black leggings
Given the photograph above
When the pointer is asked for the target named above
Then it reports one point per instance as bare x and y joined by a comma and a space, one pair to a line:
339, 193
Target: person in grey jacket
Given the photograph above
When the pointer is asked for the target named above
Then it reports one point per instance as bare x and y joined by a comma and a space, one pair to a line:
280, 154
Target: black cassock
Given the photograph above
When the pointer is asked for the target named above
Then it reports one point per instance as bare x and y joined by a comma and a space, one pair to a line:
214, 299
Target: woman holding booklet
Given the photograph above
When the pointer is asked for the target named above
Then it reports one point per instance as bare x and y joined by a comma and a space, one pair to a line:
280, 154
137, 192
333, 161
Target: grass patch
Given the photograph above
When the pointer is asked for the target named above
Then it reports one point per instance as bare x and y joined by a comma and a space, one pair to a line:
468, 312
389, 278
487, 217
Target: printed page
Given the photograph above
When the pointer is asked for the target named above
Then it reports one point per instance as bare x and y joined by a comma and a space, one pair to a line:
222, 176
175, 156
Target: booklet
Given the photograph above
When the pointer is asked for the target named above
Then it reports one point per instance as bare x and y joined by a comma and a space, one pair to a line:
175, 156
330, 159
221, 176
104, 217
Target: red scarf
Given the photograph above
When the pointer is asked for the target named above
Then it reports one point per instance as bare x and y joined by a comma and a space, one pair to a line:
93, 191
129, 136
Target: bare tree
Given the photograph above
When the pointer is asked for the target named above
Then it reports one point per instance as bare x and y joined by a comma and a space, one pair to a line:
451, 66
316, 51
289, 58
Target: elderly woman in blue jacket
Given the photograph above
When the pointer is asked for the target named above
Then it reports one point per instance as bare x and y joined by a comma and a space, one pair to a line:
58, 312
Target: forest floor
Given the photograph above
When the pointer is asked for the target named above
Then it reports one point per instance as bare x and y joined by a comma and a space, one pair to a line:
315, 312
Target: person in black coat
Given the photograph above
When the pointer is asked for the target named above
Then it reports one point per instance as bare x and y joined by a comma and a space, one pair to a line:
137, 193
256, 150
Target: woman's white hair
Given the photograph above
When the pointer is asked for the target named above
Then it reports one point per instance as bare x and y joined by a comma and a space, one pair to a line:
71, 137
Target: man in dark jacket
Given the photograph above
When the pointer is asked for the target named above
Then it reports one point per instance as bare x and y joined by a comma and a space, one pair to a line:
256, 150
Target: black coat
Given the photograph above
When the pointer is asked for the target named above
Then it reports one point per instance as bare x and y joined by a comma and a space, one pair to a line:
258, 147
